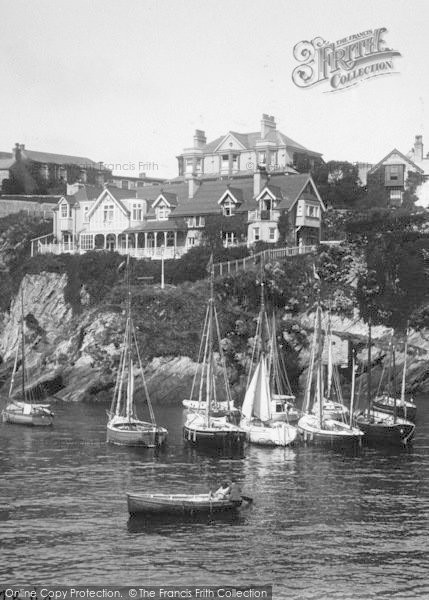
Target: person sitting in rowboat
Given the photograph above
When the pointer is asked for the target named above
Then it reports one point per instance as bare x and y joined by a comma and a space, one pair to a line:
223, 492
235, 492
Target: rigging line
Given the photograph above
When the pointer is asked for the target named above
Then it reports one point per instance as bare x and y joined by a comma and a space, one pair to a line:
200, 353
223, 361
12, 380
122, 372
146, 391
203, 364
307, 396
118, 375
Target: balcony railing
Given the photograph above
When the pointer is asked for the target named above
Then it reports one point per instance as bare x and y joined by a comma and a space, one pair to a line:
70, 248
263, 215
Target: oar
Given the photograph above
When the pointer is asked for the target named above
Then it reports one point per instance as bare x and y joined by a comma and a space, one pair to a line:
247, 499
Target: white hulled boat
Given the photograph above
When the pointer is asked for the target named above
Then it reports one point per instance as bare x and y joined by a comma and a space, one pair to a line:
124, 426
315, 426
24, 411
257, 410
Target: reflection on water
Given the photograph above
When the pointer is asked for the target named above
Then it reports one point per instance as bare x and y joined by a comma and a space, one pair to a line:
323, 524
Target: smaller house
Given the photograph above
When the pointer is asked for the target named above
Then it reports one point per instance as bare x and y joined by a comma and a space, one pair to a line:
394, 171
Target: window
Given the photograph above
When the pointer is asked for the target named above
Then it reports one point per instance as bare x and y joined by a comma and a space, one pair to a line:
125, 184
228, 208
235, 162
299, 209
229, 238
87, 241
137, 212
189, 165
262, 158
85, 213
108, 213
64, 210
162, 213
225, 162
396, 196
199, 165
191, 241
256, 234
312, 211
272, 234
394, 175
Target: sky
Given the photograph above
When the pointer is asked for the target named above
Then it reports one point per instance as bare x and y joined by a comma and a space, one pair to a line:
128, 81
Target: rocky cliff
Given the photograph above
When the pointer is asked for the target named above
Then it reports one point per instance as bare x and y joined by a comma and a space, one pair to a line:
75, 357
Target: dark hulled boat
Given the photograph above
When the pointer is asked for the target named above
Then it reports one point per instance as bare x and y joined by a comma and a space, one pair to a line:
180, 504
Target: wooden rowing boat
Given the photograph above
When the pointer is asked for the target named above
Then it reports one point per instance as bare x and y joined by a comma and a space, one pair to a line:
180, 504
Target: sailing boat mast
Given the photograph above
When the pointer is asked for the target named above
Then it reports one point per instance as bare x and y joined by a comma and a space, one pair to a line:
352, 393
404, 372
22, 346
319, 368
369, 367
209, 376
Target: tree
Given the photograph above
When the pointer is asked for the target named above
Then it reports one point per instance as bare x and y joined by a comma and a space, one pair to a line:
338, 183
285, 227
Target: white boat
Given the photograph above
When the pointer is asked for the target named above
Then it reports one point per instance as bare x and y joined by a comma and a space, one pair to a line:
257, 409
24, 411
124, 426
283, 407
203, 425
315, 426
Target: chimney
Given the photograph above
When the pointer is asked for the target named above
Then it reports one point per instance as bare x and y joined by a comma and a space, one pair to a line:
418, 149
267, 124
200, 139
259, 180
193, 185
17, 151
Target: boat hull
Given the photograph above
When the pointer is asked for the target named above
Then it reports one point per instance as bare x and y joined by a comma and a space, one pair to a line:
278, 434
136, 434
178, 504
214, 438
43, 418
380, 429
333, 434
386, 405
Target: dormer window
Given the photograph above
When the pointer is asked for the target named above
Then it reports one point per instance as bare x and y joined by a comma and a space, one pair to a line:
64, 210
162, 213
228, 208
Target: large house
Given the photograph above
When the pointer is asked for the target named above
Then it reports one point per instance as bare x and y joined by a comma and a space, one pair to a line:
244, 153
32, 172
169, 219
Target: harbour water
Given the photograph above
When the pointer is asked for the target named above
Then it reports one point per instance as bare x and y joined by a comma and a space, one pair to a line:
323, 525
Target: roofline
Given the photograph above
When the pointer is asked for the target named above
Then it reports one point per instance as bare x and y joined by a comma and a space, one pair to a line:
395, 150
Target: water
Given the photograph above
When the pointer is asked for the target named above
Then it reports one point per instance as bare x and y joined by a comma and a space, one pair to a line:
323, 525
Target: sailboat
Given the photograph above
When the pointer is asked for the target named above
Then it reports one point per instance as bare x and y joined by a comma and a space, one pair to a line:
257, 414
124, 426
380, 427
333, 408
283, 406
25, 411
315, 426
206, 423
405, 408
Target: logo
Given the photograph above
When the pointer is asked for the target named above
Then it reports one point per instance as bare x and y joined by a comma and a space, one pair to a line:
344, 63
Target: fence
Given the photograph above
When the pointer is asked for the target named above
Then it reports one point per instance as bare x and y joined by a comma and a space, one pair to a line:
232, 266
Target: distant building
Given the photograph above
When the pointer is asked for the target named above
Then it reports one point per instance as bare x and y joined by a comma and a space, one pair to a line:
33, 172
244, 153
133, 183
394, 171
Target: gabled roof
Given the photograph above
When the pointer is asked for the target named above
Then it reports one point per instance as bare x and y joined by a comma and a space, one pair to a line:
151, 193
394, 151
116, 197
6, 163
249, 140
71, 200
60, 159
88, 192
233, 192
169, 197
